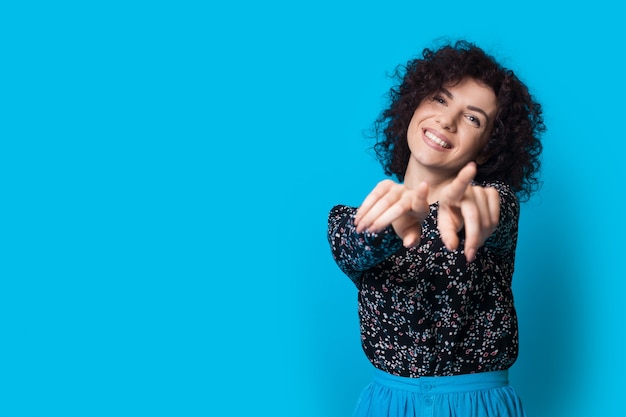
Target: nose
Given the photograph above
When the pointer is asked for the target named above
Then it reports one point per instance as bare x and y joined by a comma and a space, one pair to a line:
446, 121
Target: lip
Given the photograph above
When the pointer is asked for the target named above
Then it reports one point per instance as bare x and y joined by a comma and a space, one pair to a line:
433, 144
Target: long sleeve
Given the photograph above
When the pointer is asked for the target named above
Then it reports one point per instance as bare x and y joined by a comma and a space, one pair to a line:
357, 252
504, 239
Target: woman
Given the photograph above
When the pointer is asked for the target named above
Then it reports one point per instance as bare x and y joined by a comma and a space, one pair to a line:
432, 254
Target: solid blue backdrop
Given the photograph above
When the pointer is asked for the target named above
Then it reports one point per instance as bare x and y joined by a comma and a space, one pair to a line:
167, 169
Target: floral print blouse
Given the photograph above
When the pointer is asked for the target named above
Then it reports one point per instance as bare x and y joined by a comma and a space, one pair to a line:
426, 311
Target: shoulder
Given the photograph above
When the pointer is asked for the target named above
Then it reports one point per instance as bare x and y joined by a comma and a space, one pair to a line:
505, 235
508, 197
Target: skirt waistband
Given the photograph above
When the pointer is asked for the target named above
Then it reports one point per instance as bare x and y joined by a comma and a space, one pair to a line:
443, 384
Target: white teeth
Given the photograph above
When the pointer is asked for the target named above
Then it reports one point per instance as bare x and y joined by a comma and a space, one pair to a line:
435, 139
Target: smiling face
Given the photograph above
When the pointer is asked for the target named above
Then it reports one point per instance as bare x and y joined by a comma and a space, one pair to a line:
449, 129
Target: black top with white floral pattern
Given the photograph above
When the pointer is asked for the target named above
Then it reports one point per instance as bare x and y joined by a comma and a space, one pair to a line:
425, 311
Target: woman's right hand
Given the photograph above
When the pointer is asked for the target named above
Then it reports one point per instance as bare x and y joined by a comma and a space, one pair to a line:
390, 203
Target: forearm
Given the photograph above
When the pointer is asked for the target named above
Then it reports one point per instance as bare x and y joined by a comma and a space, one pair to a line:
357, 252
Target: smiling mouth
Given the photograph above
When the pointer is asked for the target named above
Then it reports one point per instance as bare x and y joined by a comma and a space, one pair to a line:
435, 139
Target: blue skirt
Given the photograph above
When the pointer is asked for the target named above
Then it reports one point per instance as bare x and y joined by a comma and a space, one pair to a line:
486, 394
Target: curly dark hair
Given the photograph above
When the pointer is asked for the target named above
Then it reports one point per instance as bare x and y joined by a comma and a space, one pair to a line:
512, 153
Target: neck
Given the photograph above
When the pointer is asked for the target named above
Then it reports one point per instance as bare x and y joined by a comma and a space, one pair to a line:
436, 180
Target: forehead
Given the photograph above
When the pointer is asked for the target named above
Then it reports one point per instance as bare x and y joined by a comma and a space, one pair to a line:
472, 93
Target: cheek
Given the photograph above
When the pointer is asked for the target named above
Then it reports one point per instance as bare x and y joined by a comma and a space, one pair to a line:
475, 142
485, 138
480, 144
421, 114
413, 127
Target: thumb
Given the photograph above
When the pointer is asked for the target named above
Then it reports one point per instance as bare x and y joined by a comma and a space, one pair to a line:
412, 237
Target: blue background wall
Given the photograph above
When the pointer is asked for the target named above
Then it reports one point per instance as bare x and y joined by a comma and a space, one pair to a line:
166, 169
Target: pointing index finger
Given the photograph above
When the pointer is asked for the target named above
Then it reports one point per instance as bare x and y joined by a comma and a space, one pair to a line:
457, 187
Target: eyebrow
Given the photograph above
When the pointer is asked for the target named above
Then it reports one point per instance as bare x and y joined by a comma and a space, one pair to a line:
473, 108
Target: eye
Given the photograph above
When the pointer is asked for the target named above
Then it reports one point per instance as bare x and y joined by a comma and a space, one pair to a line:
473, 120
439, 99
